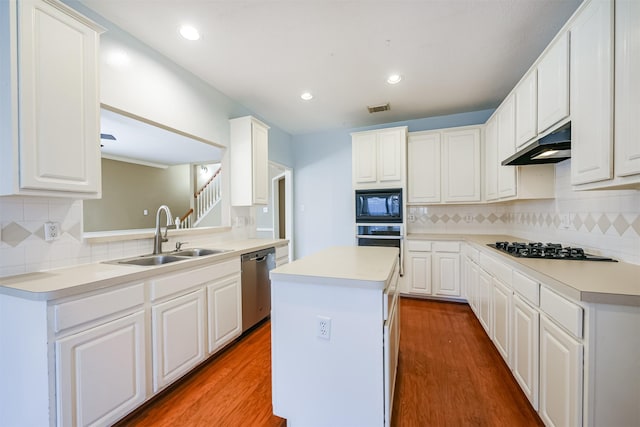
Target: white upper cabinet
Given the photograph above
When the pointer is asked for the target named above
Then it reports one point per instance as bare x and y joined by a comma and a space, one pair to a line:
249, 161
627, 88
423, 163
553, 84
379, 157
506, 147
592, 93
526, 109
461, 165
49, 107
491, 163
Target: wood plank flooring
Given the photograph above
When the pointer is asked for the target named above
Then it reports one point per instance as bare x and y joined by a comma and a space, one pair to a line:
449, 375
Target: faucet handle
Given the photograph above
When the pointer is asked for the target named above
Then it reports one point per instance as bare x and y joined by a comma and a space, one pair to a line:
179, 245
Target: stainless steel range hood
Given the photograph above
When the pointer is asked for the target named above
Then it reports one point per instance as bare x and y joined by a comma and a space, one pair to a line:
552, 148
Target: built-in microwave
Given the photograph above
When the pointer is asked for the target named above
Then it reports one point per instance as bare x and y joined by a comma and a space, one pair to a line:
379, 205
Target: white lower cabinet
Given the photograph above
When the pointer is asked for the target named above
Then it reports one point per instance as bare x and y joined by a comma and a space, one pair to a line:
484, 301
178, 337
560, 376
501, 319
433, 268
524, 356
100, 372
224, 301
419, 272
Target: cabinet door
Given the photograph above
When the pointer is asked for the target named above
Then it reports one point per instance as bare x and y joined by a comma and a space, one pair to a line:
260, 155
420, 273
58, 100
461, 164
627, 87
178, 337
100, 372
491, 162
553, 84
365, 158
501, 318
446, 274
423, 158
390, 147
527, 109
560, 376
506, 147
484, 300
225, 312
474, 275
524, 358
592, 94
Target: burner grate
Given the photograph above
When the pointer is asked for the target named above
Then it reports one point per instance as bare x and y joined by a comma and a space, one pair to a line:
546, 251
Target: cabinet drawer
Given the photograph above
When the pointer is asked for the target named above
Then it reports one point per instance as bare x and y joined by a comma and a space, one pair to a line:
471, 253
446, 246
496, 269
73, 313
564, 312
527, 288
177, 283
418, 246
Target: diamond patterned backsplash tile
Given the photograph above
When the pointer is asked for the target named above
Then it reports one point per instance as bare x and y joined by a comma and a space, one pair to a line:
600, 223
14, 234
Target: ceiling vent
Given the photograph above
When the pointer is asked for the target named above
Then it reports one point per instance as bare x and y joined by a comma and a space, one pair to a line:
379, 108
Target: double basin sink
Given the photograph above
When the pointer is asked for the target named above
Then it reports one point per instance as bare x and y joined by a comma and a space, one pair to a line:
166, 258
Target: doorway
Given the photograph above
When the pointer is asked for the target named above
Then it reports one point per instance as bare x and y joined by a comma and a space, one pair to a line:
282, 202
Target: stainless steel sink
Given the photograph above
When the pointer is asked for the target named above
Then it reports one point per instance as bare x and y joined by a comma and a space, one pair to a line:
149, 260
195, 252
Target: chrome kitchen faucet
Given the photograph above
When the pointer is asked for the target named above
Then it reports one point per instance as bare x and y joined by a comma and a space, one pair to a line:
158, 238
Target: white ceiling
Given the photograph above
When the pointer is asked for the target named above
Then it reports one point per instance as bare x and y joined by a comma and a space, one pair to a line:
454, 55
150, 144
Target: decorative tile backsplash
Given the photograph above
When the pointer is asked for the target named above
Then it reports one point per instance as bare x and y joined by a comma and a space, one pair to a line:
603, 222
23, 248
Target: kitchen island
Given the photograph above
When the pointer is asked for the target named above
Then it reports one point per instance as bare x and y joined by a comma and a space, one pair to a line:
335, 334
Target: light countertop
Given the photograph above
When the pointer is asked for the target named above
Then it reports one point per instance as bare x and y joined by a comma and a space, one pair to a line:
355, 266
64, 282
588, 281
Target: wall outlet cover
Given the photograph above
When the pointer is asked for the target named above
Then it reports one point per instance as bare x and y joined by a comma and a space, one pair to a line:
51, 231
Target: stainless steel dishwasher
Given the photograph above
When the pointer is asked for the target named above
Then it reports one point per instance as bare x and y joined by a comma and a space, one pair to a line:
256, 286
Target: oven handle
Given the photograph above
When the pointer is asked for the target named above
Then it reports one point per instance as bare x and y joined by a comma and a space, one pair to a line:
383, 237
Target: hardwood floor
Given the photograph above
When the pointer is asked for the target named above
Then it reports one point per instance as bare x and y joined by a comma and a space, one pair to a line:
449, 374
234, 389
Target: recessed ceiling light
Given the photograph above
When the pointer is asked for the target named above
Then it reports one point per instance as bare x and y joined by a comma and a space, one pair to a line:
189, 32
307, 96
394, 79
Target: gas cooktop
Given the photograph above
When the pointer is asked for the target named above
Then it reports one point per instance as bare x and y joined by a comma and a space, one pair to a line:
546, 251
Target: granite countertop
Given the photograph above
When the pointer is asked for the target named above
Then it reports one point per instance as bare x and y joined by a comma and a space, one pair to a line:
588, 281
64, 282
354, 266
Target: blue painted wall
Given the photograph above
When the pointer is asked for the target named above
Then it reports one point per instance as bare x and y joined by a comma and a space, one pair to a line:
322, 180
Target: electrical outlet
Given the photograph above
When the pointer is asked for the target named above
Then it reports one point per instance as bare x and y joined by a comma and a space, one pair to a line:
412, 218
324, 327
565, 221
468, 218
51, 231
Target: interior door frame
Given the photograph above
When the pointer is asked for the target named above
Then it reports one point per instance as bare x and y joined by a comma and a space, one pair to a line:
288, 202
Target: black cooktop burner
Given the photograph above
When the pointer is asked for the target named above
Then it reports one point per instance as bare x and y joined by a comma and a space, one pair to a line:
546, 251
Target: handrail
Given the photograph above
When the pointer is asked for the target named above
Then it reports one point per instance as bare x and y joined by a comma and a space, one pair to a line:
207, 183
183, 217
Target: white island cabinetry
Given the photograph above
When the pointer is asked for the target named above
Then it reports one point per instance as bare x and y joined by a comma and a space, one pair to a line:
335, 334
